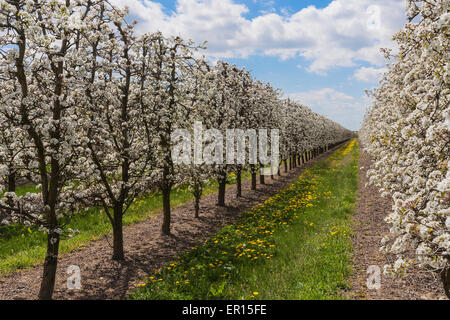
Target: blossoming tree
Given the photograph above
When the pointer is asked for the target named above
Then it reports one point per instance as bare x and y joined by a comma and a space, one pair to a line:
407, 132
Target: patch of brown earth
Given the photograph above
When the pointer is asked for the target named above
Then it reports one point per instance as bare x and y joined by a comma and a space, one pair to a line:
369, 229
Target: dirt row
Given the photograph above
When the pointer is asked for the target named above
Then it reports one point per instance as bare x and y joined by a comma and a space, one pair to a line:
369, 229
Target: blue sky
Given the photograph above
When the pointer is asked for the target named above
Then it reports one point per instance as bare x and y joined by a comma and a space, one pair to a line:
259, 7
323, 53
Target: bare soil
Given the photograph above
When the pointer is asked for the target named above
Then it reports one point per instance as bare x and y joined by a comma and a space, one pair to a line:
369, 229
145, 248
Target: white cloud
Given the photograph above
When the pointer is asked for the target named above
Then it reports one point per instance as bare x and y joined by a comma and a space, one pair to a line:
343, 34
341, 107
370, 75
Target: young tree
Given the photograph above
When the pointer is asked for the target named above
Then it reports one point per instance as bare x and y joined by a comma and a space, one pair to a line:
170, 100
118, 157
39, 58
222, 116
243, 116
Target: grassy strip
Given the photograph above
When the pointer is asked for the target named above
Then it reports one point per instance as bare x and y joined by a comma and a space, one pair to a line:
22, 247
296, 245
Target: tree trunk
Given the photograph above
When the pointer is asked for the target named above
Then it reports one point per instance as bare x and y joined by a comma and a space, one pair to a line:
197, 206
166, 210
445, 277
198, 191
50, 265
221, 199
253, 170
12, 182
285, 166
118, 254
222, 188
239, 183
261, 176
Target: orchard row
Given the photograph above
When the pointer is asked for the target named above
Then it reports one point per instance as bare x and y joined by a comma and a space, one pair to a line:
407, 132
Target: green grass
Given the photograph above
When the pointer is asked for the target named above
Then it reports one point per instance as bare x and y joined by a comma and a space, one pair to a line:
22, 247
294, 246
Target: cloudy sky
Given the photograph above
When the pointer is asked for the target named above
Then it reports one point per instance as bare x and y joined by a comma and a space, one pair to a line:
323, 53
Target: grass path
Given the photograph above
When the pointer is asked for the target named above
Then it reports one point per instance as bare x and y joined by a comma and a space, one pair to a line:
296, 245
